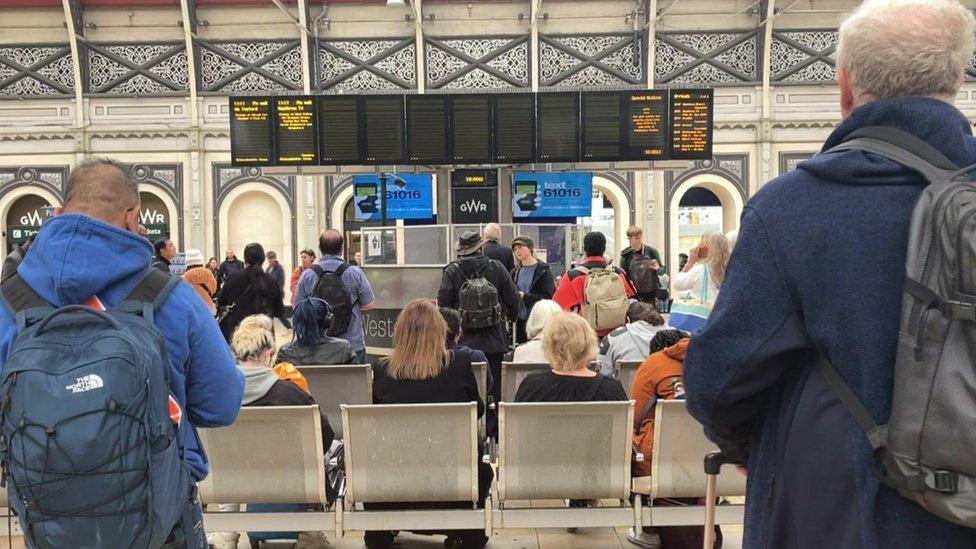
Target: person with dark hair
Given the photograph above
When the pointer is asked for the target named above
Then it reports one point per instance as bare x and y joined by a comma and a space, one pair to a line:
343, 286
454, 332
534, 281
307, 257
249, 292
311, 343
165, 252
275, 270
631, 341
572, 292
230, 265
14, 259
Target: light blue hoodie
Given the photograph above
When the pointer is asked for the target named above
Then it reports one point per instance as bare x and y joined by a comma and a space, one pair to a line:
75, 257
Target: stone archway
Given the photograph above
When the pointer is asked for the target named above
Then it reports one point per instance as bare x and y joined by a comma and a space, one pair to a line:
728, 195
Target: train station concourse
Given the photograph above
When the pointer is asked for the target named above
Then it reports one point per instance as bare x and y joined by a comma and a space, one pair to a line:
518, 274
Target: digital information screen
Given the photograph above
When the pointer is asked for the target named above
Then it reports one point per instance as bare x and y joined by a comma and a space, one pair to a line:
384, 129
471, 129
552, 194
558, 127
691, 124
514, 127
474, 178
295, 131
250, 131
601, 137
339, 138
647, 125
427, 129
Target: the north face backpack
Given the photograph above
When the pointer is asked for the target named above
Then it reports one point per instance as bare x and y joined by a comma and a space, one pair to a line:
478, 300
928, 447
90, 455
331, 289
604, 298
643, 274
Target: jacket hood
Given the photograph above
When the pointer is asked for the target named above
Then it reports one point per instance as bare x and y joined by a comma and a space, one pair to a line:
75, 257
643, 330
934, 121
257, 383
678, 350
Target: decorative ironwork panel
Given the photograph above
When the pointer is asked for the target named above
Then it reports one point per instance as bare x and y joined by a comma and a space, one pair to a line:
367, 64
706, 57
471, 63
51, 178
591, 60
789, 161
140, 69
804, 57
250, 66
36, 70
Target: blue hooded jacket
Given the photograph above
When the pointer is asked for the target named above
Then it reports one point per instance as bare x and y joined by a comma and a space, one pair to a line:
820, 257
75, 257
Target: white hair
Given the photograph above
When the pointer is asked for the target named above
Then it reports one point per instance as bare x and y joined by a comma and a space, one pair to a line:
897, 48
492, 231
542, 311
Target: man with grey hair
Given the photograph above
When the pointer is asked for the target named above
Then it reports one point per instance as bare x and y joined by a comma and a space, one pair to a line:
492, 234
92, 253
751, 375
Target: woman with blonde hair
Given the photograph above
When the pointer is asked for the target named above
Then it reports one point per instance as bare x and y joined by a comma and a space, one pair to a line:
421, 370
699, 281
570, 345
531, 351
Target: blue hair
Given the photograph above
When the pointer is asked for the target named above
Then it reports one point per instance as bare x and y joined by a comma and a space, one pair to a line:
309, 321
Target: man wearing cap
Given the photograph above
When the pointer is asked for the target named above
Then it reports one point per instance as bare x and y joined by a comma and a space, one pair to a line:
532, 278
202, 280
471, 264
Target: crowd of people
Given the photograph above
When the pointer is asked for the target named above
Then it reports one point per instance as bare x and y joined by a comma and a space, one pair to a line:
763, 343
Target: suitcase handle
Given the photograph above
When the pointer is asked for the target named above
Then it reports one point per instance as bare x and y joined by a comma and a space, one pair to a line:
714, 462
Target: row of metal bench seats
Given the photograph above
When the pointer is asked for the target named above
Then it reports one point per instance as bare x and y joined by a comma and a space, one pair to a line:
429, 453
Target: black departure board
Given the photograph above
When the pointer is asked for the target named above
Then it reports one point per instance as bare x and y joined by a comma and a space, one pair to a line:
691, 124
471, 129
340, 139
514, 115
296, 133
557, 128
251, 139
647, 125
427, 129
601, 131
384, 129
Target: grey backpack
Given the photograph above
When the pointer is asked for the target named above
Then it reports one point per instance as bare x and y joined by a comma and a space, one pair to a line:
928, 447
478, 299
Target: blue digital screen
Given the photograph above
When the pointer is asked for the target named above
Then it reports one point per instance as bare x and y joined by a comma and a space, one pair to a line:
542, 195
410, 196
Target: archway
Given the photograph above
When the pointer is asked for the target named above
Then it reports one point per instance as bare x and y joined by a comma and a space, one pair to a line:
253, 214
701, 204
611, 216
23, 212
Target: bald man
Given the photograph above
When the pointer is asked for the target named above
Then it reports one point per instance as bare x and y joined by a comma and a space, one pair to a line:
494, 249
93, 254
347, 313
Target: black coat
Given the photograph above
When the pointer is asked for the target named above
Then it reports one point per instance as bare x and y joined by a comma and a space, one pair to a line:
492, 339
251, 292
543, 284
500, 253
227, 268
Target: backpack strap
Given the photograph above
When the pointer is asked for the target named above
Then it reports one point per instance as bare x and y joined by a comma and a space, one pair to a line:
20, 298
319, 271
646, 411
901, 147
152, 291
341, 269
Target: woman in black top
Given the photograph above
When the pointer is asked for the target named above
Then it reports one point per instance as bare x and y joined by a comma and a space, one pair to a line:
534, 281
311, 319
422, 370
249, 292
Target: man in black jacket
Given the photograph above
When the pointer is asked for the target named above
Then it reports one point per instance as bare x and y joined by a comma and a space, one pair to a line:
492, 340
231, 264
492, 235
165, 252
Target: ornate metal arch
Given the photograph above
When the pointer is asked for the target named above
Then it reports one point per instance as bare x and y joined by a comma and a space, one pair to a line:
227, 177
804, 57
36, 70
369, 64
137, 69
167, 178
708, 58
477, 63
591, 60
250, 66
50, 178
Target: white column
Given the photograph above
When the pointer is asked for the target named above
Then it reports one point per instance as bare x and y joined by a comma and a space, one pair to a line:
534, 42
765, 125
189, 27
418, 37
303, 33
75, 64
651, 38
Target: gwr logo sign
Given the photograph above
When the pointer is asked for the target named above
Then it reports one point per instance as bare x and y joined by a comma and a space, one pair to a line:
33, 218
474, 205
151, 217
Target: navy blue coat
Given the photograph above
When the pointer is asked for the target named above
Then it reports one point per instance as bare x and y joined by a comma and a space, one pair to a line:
820, 256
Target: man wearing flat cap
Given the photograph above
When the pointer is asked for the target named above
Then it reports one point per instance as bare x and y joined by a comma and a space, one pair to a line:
483, 291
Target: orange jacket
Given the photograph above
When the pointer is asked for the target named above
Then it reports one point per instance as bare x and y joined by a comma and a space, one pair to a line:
204, 283
659, 375
295, 275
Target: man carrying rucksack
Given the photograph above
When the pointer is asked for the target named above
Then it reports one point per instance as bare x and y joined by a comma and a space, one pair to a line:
643, 266
343, 286
109, 366
483, 292
598, 292
796, 361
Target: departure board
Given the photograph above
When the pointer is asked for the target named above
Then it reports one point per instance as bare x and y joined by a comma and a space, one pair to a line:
691, 124
251, 140
557, 131
647, 132
427, 129
514, 115
339, 134
384, 129
295, 131
471, 129
602, 132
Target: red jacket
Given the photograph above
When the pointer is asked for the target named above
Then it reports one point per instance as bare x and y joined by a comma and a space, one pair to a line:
571, 291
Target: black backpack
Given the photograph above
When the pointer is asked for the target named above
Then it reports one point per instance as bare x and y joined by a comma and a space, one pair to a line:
642, 273
478, 299
331, 289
